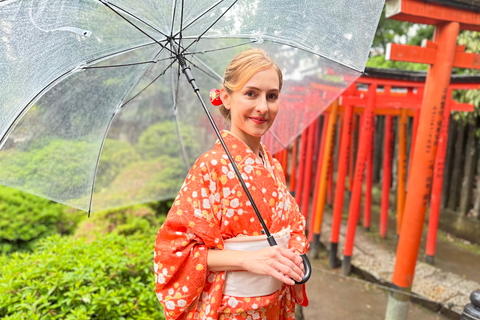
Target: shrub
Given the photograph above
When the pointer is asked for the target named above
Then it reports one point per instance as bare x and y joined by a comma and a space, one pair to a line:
140, 219
25, 218
68, 278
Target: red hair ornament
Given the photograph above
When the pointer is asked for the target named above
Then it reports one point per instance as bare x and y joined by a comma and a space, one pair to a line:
215, 97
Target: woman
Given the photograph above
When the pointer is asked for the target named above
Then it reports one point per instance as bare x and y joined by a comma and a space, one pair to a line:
192, 268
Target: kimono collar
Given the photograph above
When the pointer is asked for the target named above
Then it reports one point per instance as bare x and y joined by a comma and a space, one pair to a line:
238, 147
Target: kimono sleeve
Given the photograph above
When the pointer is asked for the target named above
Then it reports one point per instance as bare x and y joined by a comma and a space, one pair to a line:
181, 246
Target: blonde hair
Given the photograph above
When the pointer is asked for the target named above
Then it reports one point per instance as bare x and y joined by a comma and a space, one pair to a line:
242, 68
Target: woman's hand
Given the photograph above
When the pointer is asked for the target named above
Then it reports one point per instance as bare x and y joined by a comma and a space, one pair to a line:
283, 264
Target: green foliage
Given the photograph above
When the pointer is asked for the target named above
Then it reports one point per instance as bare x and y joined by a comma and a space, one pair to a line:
116, 155
25, 218
67, 278
388, 30
471, 40
161, 139
144, 181
394, 31
380, 62
140, 219
55, 164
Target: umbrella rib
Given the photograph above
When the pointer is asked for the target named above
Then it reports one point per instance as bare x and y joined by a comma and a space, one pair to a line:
207, 29
275, 40
174, 5
135, 17
110, 55
218, 49
106, 133
175, 114
276, 138
148, 85
181, 24
201, 15
20, 115
130, 64
134, 25
213, 74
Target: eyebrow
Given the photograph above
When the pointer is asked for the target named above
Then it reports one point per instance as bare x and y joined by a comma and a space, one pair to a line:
252, 87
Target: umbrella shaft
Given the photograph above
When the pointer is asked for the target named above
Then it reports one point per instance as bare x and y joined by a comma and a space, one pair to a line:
188, 73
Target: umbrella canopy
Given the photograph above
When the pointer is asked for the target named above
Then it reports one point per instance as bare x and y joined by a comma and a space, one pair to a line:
93, 104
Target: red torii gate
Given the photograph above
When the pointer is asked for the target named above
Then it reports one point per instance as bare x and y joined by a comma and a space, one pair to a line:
389, 103
442, 54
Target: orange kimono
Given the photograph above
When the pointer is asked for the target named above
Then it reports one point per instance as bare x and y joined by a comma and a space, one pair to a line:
212, 207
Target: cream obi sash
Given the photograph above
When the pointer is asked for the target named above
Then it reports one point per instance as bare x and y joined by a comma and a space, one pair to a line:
249, 284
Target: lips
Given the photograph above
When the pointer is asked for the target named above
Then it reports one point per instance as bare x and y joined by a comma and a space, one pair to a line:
258, 120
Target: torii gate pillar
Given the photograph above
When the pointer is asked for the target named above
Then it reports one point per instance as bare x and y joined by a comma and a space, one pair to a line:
438, 80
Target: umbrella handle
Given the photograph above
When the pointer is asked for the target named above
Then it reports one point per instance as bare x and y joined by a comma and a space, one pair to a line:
308, 269
306, 262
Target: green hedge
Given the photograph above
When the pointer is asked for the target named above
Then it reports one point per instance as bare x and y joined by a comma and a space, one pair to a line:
139, 219
68, 278
25, 218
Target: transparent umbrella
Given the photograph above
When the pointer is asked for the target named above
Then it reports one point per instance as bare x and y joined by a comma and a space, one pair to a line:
95, 111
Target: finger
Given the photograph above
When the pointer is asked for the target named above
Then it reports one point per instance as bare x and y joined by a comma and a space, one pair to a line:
278, 274
294, 266
291, 259
288, 270
298, 262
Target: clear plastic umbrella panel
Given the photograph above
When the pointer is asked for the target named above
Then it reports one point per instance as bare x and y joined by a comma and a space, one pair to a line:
95, 111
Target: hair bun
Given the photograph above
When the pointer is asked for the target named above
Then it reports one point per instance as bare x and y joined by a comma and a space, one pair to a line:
215, 97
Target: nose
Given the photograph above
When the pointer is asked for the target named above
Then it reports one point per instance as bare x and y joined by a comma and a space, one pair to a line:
262, 105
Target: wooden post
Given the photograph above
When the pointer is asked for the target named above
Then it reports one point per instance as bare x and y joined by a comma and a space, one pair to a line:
343, 161
351, 165
301, 163
353, 213
416, 118
293, 163
437, 188
387, 176
367, 207
322, 190
307, 182
438, 79
318, 175
402, 167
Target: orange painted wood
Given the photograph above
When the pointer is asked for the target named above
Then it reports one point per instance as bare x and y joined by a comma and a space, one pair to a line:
367, 206
400, 52
322, 190
293, 162
318, 175
437, 185
301, 163
352, 153
307, 181
343, 161
418, 194
402, 167
364, 141
432, 13
386, 176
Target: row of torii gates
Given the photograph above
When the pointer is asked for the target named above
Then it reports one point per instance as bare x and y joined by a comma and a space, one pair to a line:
379, 92
391, 94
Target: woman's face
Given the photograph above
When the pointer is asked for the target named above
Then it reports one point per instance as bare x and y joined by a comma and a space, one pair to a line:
254, 107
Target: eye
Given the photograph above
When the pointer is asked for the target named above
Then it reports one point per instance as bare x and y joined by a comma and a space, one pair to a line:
272, 96
250, 94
